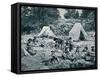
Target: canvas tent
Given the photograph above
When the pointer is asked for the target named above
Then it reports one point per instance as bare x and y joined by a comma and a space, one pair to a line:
77, 32
46, 31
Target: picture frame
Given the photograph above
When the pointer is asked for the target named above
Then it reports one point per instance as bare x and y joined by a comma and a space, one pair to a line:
25, 15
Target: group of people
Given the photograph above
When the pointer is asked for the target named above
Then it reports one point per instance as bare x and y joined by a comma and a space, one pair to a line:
73, 53
70, 51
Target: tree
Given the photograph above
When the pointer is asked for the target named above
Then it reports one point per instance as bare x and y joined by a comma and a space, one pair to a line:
71, 13
85, 13
76, 15
89, 17
37, 17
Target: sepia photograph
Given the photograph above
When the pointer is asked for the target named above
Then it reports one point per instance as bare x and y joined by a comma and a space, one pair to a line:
57, 38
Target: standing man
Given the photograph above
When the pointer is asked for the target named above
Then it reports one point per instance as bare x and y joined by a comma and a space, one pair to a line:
70, 45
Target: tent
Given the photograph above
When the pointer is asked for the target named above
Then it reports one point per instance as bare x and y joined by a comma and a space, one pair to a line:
46, 31
77, 32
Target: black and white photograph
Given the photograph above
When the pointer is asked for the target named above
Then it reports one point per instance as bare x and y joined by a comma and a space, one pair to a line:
57, 38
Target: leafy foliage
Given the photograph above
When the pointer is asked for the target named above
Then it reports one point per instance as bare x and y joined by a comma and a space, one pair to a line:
34, 18
71, 13
89, 17
37, 17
